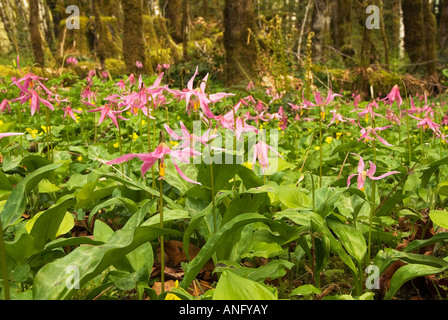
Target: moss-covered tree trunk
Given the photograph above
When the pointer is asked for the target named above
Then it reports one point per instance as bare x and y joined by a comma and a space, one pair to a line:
430, 40
241, 55
133, 40
392, 21
443, 27
36, 37
414, 42
174, 16
56, 8
185, 28
98, 32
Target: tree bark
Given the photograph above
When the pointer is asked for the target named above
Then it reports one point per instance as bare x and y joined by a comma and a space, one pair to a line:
241, 51
133, 40
98, 32
430, 39
413, 28
185, 28
443, 27
36, 37
173, 14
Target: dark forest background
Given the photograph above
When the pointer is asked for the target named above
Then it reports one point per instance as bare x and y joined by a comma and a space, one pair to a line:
282, 44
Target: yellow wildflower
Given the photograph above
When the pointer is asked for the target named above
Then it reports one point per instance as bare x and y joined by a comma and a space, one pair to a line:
171, 296
134, 136
329, 140
174, 143
248, 165
116, 145
338, 135
32, 132
79, 158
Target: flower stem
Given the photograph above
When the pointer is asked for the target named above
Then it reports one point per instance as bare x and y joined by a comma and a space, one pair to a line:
213, 196
409, 141
4, 265
162, 246
320, 152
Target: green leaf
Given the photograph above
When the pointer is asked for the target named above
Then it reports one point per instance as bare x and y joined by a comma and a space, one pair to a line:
417, 244
50, 282
130, 206
409, 272
274, 269
211, 245
352, 239
439, 217
46, 186
432, 168
16, 204
101, 231
47, 225
293, 198
263, 250
305, 290
233, 287
326, 199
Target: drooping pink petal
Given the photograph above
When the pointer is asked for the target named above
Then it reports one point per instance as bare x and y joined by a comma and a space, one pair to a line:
10, 134
182, 174
384, 175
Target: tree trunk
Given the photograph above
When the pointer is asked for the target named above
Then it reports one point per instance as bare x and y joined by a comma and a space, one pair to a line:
36, 37
241, 51
57, 14
48, 26
173, 14
185, 28
342, 27
384, 35
320, 25
413, 27
98, 32
133, 40
443, 27
430, 40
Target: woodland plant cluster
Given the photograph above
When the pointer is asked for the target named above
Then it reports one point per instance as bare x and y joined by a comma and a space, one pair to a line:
108, 191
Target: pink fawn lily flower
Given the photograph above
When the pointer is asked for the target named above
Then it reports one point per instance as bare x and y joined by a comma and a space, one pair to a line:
413, 109
121, 85
72, 60
261, 152
393, 96
69, 111
10, 134
204, 100
427, 123
139, 64
250, 86
363, 174
444, 121
88, 93
319, 102
391, 116
5, 104
366, 134
369, 110
107, 111
337, 117
189, 140
149, 159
